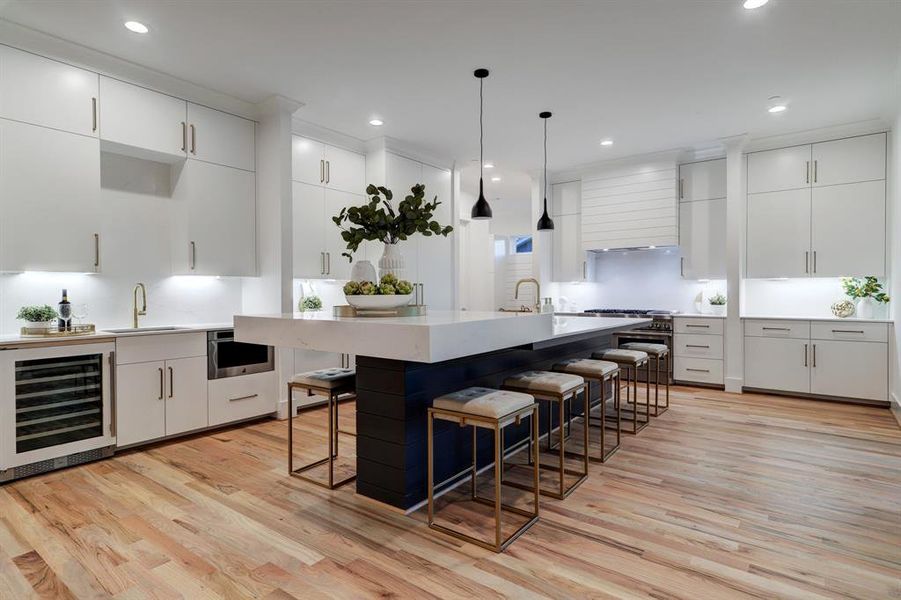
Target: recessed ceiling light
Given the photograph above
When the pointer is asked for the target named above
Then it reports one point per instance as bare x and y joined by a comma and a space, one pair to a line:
775, 104
489, 165
376, 122
607, 142
136, 27
495, 179
752, 4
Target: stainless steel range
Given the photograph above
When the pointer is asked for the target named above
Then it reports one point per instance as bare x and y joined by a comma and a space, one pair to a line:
658, 331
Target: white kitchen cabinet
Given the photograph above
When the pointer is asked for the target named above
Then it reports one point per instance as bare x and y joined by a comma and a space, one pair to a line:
849, 160
778, 243
777, 364
218, 137
337, 266
705, 180
45, 92
238, 398
436, 252
214, 231
403, 174
309, 230
849, 369
569, 262
702, 239
777, 170
698, 350
140, 402
345, 170
307, 161
186, 395
848, 230
49, 199
566, 198
142, 123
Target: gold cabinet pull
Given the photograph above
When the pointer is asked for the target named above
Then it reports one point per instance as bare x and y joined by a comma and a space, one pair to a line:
193, 139
328, 171
93, 114
184, 136
160, 369
171, 383
96, 250
805, 355
249, 397
193, 256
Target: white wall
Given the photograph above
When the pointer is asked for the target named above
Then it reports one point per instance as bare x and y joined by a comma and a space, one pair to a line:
647, 279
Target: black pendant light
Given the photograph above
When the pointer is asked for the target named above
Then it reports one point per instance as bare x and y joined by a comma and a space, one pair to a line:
545, 223
481, 209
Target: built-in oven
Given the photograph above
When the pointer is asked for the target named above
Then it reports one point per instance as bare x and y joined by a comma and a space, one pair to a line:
229, 358
56, 407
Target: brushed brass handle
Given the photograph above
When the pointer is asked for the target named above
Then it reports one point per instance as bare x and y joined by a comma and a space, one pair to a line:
807, 261
193, 139
814, 261
814, 356
815, 171
696, 346
808, 171
860, 331
96, 250
93, 114
698, 370
328, 171
805, 355
321, 171
160, 369
184, 136
193, 256
776, 328
171, 383
243, 398
700, 326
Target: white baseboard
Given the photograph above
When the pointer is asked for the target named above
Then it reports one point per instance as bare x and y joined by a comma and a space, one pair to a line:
734, 384
282, 411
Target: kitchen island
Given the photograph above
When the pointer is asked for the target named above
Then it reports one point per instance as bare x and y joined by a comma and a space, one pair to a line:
404, 362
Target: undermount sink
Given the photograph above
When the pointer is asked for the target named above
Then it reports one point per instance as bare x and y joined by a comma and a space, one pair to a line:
146, 329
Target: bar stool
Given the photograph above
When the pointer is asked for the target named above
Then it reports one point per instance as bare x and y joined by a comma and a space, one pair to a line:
495, 410
331, 383
603, 372
630, 361
559, 388
657, 352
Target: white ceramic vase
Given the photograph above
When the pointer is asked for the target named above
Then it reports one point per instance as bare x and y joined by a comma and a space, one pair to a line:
392, 261
866, 308
363, 271
718, 309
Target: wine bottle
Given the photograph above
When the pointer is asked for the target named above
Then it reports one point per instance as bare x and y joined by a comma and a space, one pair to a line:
65, 311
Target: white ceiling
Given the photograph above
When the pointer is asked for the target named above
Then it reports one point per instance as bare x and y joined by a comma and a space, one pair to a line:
653, 75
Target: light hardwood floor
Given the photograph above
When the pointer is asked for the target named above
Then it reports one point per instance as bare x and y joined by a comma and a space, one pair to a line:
724, 496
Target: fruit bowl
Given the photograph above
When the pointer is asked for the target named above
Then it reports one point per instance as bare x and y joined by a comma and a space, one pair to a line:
378, 301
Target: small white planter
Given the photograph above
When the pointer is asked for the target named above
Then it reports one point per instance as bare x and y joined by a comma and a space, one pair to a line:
718, 309
392, 261
363, 271
866, 308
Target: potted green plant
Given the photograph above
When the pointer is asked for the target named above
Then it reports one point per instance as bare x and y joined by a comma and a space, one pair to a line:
379, 221
38, 315
310, 303
717, 304
867, 292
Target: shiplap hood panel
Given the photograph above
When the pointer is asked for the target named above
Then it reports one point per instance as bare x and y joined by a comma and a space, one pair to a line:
631, 206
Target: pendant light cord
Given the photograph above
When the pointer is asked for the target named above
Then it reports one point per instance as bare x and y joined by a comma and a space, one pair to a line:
481, 131
545, 164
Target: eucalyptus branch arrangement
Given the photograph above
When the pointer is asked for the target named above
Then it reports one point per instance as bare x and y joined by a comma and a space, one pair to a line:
378, 220
868, 287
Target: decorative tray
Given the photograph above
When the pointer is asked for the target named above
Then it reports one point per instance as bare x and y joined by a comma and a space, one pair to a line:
54, 331
410, 310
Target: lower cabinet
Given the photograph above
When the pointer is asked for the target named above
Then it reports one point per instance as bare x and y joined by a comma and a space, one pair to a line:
847, 360
186, 388
698, 350
238, 398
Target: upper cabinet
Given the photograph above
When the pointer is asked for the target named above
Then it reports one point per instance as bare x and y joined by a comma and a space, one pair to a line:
702, 219
40, 91
320, 164
217, 137
49, 199
569, 259
143, 123
818, 210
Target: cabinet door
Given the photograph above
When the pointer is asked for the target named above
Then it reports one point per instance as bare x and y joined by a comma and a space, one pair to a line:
45, 92
436, 253
220, 138
143, 123
403, 174
309, 230
345, 170
779, 234
848, 230
849, 160
777, 364
49, 199
567, 198
776, 170
336, 266
140, 402
849, 369
186, 395
568, 257
702, 180
307, 160
214, 230
702, 238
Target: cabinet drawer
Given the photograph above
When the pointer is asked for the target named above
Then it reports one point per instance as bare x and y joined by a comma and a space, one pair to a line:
783, 329
699, 370
705, 346
699, 325
147, 348
236, 398
851, 332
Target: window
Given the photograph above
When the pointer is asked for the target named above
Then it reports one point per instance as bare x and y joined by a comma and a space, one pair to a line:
522, 244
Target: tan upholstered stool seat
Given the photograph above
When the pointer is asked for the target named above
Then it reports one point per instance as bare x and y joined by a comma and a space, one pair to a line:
622, 355
326, 378
587, 367
484, 402
652, 349
544, 381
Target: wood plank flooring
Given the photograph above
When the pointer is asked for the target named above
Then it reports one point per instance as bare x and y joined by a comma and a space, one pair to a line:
724, 496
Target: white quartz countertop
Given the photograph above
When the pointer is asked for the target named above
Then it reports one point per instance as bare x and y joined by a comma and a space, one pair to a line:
104, 335
808, 318
438, 336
